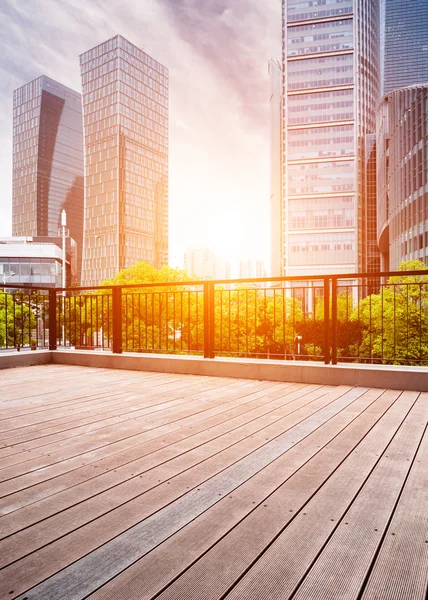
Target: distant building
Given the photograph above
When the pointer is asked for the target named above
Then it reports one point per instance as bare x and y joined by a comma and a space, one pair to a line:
276, 228
404, 43
371, 257
203, 263
330, 91
29, 261
47, 161
125, 111
251, 268
402, 176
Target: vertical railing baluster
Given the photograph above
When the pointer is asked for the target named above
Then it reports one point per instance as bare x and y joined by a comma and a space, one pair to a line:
52, 320
326, 320
334, 320
117, 319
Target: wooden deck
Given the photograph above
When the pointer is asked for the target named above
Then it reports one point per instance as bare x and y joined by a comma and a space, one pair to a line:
119, 484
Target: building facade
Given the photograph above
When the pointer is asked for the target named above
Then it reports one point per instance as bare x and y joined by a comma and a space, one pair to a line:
47, 161
330, 90
27, 261
252, 268
275, 101
404, 44
402, 176
125, 112
203, 263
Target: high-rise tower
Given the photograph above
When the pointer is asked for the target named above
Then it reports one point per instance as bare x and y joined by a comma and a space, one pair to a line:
47, 161
330, 91
125, 112
404, 43
275, 73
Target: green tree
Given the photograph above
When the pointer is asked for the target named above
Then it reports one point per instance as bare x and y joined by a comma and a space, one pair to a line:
167, 318
395, 321
348, 331
255, 321
17, 319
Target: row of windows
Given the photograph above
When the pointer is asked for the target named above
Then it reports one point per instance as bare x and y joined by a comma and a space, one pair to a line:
98, 61
320, 37
139, 87
314, 247
137, 73
146, 106
321, 219
300, 10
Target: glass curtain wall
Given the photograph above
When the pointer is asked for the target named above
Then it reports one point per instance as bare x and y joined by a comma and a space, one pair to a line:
327, 111
47, 161
125, 111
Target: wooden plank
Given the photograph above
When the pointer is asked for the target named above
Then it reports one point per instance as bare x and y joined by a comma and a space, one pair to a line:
126, 451
104, 394
27, 395
271, 405
279, 569
124, 408
344, 563
327, 447
109, 404
125, 484
401, 567
19, 477
96, 568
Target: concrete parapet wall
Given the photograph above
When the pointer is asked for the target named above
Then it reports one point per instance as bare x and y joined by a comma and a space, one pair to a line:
374, 376
9, 360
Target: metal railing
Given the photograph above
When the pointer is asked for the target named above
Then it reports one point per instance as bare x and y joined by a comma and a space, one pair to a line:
379, 318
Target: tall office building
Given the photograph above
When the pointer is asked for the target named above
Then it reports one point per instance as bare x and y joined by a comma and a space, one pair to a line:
330, 91
402, 176
125, 112
275, 73
404, 43
47, 161
250, 268
203, 263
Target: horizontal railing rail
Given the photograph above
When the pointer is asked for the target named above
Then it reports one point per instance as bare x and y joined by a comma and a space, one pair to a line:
369, 317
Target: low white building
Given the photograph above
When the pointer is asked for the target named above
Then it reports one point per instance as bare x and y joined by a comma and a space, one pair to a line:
23, 260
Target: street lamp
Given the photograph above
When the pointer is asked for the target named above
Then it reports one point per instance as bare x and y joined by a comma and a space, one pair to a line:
7, 277
63, 232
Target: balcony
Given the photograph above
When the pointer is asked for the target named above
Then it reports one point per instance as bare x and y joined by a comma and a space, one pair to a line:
290, 477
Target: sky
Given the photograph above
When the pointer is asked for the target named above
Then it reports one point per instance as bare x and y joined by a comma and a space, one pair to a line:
217, 52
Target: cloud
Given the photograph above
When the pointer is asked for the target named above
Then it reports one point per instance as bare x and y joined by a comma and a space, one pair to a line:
235, 38
216, 52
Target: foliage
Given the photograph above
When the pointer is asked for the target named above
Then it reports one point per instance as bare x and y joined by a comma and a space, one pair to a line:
391, 326
395, 321
17, 319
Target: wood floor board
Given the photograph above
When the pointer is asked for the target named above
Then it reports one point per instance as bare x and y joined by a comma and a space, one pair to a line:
121, 485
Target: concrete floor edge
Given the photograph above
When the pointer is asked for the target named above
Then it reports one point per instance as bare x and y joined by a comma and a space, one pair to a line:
375, 376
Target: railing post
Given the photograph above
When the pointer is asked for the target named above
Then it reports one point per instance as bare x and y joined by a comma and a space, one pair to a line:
208, 319
326, 320
212, 320
117, 319
334, 321
52, 320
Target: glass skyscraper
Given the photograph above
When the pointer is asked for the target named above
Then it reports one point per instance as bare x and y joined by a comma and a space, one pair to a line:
402, 176
275, 73
330, 89
125, 112
47, 161
404, 43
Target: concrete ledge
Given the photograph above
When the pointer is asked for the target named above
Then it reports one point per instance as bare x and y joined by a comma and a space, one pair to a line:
374, 376
9, 360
